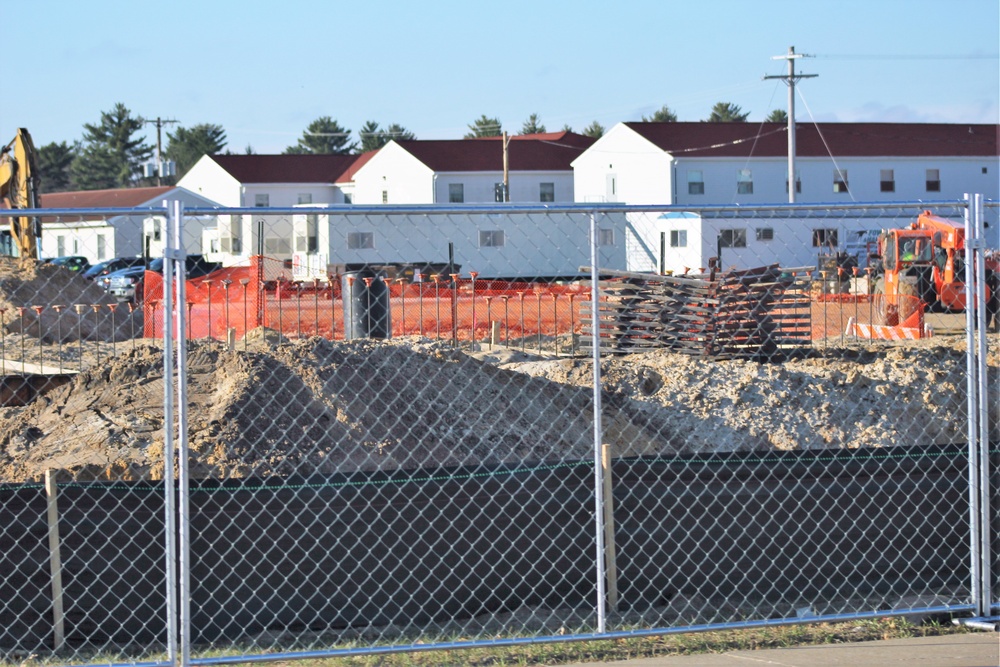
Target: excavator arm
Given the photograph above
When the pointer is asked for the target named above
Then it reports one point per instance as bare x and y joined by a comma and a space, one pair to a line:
19, 188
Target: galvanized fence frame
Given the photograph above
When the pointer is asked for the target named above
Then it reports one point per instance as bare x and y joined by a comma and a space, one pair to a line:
982, 468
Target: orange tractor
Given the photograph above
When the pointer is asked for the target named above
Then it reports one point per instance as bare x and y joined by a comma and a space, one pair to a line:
923, 265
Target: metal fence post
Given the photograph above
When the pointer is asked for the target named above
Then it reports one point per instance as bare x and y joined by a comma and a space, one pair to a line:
598, 430
983, 463
972, 402
183, 468
170, 497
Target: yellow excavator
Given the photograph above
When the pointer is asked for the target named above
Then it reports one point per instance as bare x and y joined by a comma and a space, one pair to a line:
19, 183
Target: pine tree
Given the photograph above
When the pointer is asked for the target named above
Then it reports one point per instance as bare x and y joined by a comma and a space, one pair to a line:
323, 136
112, 154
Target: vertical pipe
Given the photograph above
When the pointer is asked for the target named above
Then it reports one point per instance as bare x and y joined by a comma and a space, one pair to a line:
984, 415
598, 434
55, 561
183, 475
609, 528
972, 388
169, 490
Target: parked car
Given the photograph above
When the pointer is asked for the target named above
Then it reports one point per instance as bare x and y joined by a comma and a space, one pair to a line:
111, 265
125, 284
71, 262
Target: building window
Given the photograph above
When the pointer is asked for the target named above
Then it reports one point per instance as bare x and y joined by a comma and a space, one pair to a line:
934, 180
385, 196
261, 201
765, 233
733, 238
491, 238
277, 245
744, 182
306, 235
798, 182
840, 180
824, 238
348, 198
887, 180
456, 193
60, 246
678, 238
305, 198
546, 192
696, 183
361, 240
102, 247
156, 230
230, 229
606, 236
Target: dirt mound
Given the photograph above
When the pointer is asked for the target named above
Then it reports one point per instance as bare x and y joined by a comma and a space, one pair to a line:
84, 309
272, 407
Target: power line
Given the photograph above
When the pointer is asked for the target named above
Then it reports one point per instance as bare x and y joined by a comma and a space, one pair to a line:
900, 56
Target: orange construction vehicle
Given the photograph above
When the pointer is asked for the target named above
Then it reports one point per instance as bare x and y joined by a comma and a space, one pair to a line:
923, 265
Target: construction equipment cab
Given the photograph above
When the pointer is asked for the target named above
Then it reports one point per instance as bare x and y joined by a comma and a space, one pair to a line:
926, 261
19, 188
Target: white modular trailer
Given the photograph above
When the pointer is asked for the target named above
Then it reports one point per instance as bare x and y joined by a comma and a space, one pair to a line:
517, 245
680, 241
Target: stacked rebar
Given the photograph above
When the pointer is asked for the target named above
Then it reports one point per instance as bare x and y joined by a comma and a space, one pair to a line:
750, 313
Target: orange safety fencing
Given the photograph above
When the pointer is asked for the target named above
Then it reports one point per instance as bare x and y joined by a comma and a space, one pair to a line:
459, 307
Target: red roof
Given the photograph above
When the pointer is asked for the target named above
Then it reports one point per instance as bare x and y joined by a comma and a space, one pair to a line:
118, 198
534, 152
843, 139
324, 168
361, 161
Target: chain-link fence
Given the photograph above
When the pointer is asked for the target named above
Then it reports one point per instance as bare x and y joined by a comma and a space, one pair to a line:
355, 430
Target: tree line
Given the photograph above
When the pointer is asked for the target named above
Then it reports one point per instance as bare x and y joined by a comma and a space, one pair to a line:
112, 152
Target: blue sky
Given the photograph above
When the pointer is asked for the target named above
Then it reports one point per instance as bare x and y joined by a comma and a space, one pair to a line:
264, 71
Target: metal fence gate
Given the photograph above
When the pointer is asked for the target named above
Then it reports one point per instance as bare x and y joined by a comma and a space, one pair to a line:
389, 429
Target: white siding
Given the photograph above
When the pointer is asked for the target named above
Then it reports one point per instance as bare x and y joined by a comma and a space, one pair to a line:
559, 247
211, 181
641, 171
525, 186
404, 178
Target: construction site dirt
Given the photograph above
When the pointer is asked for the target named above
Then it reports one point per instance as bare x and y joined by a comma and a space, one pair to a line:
271, 406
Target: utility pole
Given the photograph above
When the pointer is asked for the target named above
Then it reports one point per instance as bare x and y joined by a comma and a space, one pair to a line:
159, 123
791, 78
506, 168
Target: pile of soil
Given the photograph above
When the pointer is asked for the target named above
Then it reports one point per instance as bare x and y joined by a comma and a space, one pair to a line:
271, 407
84, 310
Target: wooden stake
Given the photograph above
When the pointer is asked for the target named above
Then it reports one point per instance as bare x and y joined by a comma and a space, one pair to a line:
55, 563
609, 529
494, 334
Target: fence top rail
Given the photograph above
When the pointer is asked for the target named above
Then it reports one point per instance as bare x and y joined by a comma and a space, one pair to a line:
83, 212
583, 208
444, 209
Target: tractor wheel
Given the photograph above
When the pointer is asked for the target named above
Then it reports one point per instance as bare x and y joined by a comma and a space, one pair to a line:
909, 301
885, 314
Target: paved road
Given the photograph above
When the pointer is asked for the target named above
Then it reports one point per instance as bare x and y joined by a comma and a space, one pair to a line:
980, 649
